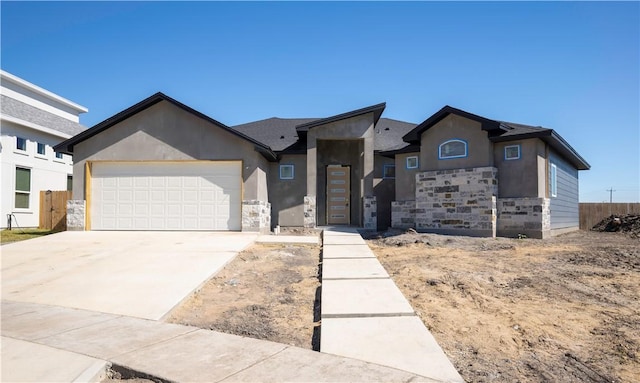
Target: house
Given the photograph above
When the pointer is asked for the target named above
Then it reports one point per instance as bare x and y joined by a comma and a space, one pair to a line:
460, 173
33, 120
161, 165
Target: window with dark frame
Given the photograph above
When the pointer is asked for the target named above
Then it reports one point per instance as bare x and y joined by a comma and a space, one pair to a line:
23, 188
70, 183
389, 171
42, 148
21, 143
59, 155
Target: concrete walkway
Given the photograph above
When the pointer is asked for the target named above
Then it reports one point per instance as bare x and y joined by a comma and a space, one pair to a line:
51, 343
366, 317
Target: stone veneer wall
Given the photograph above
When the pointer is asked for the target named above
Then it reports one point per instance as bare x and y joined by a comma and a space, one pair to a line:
403, 214
524, 216
76, 215
457, 201
309, 211
256, 216
370, 213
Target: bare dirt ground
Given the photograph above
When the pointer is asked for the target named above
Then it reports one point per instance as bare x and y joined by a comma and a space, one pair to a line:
267, 292
566, 309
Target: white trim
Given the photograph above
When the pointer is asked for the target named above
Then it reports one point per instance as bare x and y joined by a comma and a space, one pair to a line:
553, 184
512, 158
43, 92
33, 126
417, 162
466, 149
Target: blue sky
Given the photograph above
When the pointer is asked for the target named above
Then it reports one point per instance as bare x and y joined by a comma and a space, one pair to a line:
570, 66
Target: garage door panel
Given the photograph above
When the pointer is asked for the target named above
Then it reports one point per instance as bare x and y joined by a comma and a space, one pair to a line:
203, 195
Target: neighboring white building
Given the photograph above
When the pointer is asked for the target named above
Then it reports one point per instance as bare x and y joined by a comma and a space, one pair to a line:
33, 120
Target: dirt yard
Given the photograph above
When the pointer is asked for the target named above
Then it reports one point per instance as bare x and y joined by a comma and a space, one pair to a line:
267, 292
565, 309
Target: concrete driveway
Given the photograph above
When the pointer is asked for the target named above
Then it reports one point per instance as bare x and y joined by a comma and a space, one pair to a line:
138, 274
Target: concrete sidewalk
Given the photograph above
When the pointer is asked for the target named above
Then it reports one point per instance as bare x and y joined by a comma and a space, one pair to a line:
366, 317
51, 343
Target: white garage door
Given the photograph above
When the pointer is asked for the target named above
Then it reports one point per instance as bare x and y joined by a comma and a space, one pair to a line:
198, 195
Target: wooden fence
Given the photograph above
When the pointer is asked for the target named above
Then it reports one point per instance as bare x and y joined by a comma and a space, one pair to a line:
592, 213
53, 210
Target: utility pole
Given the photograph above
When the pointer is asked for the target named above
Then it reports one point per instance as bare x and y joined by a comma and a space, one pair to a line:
610, 198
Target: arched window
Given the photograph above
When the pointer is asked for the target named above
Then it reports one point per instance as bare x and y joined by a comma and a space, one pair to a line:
452, 149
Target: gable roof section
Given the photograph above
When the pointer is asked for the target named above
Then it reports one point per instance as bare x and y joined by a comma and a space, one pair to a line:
501, 131
413, 136
67, 146
376, 109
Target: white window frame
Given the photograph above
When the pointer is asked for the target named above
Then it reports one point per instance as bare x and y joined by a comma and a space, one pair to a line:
466, 149
417, 163
17, 191
24, 140
384, 171
553, 187
506, 149
287, 177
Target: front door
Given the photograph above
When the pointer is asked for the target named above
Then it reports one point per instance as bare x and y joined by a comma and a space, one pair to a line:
338, 191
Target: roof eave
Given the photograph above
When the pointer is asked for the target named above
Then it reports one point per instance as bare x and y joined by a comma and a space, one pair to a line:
555, 140
376, 109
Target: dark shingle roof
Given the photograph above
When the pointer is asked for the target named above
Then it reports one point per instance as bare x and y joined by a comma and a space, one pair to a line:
278, 133
18, 109
389, 134
281, 133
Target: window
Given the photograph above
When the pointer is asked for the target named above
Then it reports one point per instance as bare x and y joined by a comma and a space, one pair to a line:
286, 172
21, 143
23, 188
512, 152
452, 149
554, 180
412, 162
69, 183
59, 155
41, 148
389, 171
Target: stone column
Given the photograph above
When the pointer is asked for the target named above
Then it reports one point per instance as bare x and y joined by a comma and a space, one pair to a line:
76, 215
370, 213
309, 211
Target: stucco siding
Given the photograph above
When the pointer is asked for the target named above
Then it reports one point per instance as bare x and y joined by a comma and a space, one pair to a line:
287, 196
479, 148
383, 190
518, 178
405, 184
164, 132
564, 206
